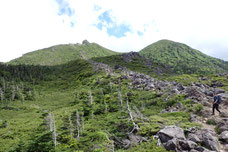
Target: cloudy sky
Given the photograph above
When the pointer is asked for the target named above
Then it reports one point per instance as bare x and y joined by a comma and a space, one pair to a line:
120, 25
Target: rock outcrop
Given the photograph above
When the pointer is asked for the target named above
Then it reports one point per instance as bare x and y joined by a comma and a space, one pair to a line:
173, 138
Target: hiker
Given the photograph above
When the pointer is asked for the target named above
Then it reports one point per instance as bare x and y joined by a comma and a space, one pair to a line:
217, 101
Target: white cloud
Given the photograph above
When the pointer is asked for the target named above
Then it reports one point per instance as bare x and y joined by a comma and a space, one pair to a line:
28, 25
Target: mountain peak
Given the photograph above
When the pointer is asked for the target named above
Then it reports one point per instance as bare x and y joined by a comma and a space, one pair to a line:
182, 58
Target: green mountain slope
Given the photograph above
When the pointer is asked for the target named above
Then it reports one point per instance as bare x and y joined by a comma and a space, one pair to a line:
182, 58
88, 109
102, 104
62, 54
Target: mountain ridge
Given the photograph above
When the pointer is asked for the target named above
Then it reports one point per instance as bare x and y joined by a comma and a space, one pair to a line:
181, 58
63, 53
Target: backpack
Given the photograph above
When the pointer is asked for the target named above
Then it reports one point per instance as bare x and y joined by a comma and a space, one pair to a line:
219, 100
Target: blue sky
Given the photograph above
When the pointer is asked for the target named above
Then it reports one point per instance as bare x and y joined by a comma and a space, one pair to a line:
106, 21
115, 24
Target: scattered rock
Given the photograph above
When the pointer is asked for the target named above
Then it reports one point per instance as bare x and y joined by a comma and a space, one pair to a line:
194, 138
170, 132
219, 90
224, 136
206, 103
171, 144
132, 140
194, 93
128, 57
193, 118
172, 138
180, 87
187, 144
223, 125
210, 141
224, 114
216, 84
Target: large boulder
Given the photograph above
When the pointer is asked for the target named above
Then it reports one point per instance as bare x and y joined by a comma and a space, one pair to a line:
223, 125
194, 93
219, 90
224, 136
216, 84
170, 132
187, 144
180, 145
194, 138
171, 144
208, 139
173, 138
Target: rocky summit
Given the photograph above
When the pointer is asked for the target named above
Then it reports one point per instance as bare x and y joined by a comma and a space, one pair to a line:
83, 97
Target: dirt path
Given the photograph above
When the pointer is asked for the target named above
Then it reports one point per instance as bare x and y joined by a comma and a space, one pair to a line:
216, 117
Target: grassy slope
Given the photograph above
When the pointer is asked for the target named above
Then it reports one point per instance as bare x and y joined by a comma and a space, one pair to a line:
62, 54
182, 58
67, 91
64, 89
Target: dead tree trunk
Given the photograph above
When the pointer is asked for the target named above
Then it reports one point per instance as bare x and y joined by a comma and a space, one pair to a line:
52, 127
3, 85
54, 131
1, 94
91, 102
70, 126
136, 127
111, 147
78, 124
50, 121
106, 107
120, 98
139, 114
82, 122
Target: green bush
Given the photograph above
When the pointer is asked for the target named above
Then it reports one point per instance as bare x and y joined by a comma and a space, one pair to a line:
211, 122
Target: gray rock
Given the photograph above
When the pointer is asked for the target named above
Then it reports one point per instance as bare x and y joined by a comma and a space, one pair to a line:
224, 136
171, 144
170, 132
132, 140
193, 118
206, 138
224, 114
208, 93
193, 150
210, 141
187, 144
206, 103
202, 149
180, 87
216, 84
223, 125
194, 138
128, 57
219, 90
194, 93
